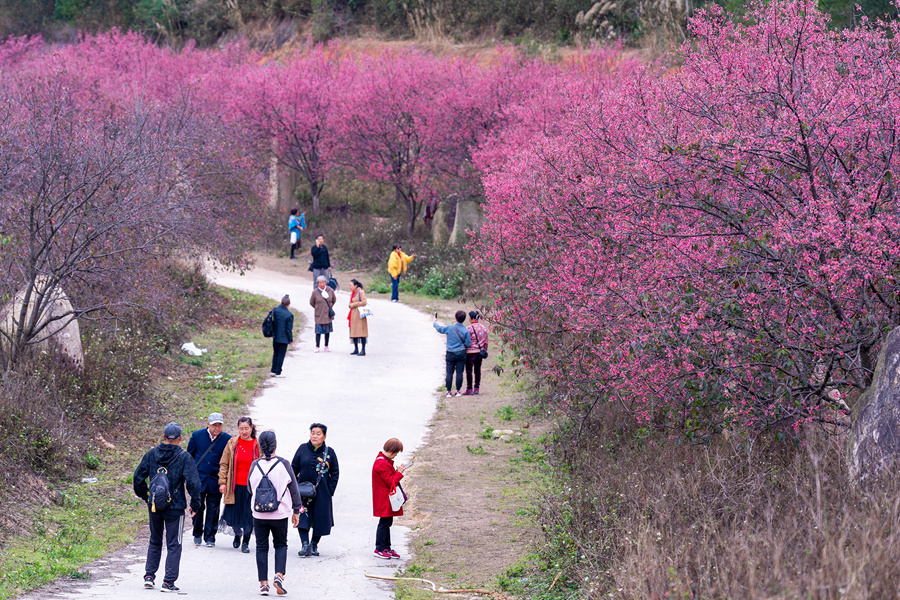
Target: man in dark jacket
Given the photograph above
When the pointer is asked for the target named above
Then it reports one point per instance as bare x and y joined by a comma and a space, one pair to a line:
321, 264
168, 513
284, 335
206, 446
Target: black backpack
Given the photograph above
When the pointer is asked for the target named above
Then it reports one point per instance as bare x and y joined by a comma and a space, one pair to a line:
265, 496
160, 495
268, 326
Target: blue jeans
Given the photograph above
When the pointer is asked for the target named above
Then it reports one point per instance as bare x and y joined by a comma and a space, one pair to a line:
395, 288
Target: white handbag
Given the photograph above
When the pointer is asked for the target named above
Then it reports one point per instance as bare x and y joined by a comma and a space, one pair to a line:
397, 497
364, 312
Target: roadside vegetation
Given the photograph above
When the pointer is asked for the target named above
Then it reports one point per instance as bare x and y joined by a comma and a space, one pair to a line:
96, 426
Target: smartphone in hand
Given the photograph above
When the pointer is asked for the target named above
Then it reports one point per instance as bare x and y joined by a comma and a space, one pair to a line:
435, 316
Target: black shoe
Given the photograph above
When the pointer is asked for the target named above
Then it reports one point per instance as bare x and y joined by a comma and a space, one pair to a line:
237, 541
362, 352
245, 548
314, 549
198, 540
304, 550
168, 587
355, 351
149, 582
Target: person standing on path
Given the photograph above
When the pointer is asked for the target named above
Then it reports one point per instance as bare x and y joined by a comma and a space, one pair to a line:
458, 340
273, 520
169, 469
295, 226
384, 479
316, 463
359, 327
322, 300
397, 263
473, 353
206, 447
234, 468
321, 264
284, 335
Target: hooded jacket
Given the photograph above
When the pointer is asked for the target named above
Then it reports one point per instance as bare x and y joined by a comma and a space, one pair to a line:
180, 469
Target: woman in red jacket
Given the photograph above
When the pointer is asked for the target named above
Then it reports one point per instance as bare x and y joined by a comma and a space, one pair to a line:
384, 479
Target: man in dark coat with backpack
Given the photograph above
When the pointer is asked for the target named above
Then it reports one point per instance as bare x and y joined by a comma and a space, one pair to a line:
168, 469
282, 334
205, 447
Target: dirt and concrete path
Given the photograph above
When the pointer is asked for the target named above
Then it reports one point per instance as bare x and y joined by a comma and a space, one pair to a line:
363, 401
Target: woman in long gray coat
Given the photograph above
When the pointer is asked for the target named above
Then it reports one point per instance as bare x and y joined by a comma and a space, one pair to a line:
322, 300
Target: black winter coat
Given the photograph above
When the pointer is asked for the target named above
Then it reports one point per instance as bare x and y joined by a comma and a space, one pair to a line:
320, 258
284, 325
321, 512
181, 472
209, 468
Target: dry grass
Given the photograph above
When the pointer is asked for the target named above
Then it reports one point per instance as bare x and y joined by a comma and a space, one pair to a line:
651, 518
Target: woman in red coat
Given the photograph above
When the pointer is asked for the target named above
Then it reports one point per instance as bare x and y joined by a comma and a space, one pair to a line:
384, 479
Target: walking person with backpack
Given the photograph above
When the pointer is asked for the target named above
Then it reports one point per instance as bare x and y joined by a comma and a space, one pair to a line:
234, 469
271, 480
279, 325
169, 469
317, 471
205, 447
458, 341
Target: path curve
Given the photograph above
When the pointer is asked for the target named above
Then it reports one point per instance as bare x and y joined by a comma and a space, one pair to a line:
363, 401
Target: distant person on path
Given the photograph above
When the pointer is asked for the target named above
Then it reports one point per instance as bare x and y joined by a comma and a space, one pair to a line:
321, 264
473, 353
295, 226
322, 300
397, 263
284, 335
359, 328
315, 462
205, 447
384, 479
234, 468
169, 469
273, 520
458, 340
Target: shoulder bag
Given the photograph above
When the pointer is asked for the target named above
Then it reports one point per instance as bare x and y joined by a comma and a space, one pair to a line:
396, 496
482, 351
308, 488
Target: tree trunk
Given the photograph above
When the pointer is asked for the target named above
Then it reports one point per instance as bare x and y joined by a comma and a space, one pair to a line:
314, 189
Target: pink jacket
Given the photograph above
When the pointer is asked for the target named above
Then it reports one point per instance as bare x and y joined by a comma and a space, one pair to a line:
479, 338
282, 477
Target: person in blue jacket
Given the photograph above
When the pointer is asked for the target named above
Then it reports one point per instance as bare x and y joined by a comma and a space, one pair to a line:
205, 447
284, 335
295, 226
458, 339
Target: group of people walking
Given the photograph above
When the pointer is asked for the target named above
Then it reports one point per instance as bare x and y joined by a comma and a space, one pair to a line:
261, 493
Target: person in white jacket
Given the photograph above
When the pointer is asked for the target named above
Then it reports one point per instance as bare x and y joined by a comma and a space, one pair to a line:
271, 519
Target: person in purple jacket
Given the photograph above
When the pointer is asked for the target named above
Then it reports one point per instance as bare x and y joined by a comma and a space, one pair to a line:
280, 475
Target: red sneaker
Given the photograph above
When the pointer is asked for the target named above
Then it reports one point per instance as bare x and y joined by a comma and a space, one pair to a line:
392, 553
468, 392
383, 554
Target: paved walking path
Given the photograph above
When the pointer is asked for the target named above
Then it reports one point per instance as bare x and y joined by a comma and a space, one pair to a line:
363, 401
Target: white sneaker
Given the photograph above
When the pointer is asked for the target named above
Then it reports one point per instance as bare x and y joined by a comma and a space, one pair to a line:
449, 394
327, 349
456, 394
317, 349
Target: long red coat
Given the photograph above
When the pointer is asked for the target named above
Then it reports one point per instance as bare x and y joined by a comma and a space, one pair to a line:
384, 478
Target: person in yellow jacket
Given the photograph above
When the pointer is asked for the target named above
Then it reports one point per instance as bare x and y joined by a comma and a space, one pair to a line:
396, 267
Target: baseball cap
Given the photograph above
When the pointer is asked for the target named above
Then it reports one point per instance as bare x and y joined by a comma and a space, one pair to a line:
172, 431
215, 418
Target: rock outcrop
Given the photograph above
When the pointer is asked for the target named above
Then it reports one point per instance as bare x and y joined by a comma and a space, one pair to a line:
875, 431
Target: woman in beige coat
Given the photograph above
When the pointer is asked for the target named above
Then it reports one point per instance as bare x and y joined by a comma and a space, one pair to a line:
359, 328
322, 300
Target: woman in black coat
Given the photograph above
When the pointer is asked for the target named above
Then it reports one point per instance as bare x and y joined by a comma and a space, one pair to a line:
315, 462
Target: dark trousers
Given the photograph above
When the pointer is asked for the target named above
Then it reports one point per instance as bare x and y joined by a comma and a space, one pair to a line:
473, 362
172, 521
304, 536
395, 288
209, 507
383, 533
279, 530
456, 361
295, 246
278, 352
319, 339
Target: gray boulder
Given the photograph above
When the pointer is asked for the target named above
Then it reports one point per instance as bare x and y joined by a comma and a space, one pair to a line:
874, 444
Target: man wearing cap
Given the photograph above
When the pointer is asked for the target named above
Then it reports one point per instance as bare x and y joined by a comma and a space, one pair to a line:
284, 334
205, 447
179, 470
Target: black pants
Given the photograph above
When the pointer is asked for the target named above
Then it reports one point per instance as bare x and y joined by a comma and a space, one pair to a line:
473, 360
172, 521
209, 506
278, 352
383, 533
456, 361
319, 338
279, 530
295, 246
